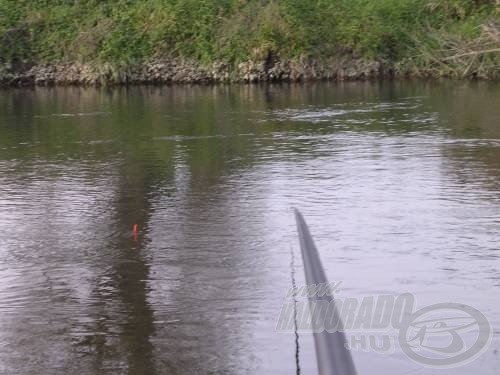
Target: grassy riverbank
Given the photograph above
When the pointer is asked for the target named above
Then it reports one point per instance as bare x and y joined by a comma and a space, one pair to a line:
458, 38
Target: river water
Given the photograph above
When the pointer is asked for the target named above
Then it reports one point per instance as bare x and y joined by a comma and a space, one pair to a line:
399, 183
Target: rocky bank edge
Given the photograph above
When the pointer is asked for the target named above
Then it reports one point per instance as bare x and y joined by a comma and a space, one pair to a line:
183, 71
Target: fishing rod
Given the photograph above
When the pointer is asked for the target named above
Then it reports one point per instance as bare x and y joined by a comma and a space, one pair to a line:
332, 353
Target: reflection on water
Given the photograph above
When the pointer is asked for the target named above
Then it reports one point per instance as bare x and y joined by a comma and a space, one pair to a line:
400, 184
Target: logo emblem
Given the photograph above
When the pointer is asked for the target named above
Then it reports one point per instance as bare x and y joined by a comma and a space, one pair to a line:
445, 335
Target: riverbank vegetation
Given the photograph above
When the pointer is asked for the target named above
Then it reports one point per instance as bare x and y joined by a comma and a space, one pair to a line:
458, 38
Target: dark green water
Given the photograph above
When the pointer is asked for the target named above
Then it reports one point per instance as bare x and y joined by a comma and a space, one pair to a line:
400, 184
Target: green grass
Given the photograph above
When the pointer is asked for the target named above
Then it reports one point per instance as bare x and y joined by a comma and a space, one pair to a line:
123, 32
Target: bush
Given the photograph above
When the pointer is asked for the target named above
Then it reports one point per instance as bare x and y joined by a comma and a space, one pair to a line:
127, 31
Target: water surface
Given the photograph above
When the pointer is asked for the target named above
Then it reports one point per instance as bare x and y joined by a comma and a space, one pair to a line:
400, 184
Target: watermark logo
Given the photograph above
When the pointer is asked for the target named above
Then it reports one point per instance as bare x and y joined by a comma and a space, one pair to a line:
443, 335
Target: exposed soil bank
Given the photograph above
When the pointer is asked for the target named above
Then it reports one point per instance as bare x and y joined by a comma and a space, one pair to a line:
182, 71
